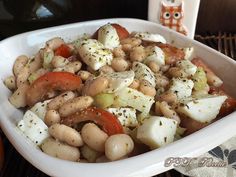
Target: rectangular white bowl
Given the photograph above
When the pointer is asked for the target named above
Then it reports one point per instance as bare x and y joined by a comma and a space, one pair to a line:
147, 164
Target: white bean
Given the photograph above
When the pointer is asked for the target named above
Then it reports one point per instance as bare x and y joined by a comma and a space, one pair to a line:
84, 75
74, 105
168, 112
89, 154
106, 69
59, 61
135, 84
177, 72
71, 67
153, 66
169, 97
66, 134
120, 64
147, 89
118, 146
94, 137
137, 54
60, 150
20, 62
22, 76
10, 82
118, 52
74, 66
95, 86
51, 117
54, 43
58, 101
36, 63
18, 98
161, 80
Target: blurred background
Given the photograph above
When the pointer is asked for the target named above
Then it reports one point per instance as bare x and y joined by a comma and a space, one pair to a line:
24, 15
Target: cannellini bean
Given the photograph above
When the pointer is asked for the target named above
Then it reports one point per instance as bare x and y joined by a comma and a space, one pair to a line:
74, 105
59, 61
47, 56
84, 75
131, 41
177, 72
161, 80
66, 134
168, 112
95, 86
120, 64
118, 52
20, 62
18, 98
137, 54
10, 82
118, 146
36, 63
58, 101
127, 47
71, 67
168, 97
54, 43
60, 150
74, 66
22, 76
89, 154
153, 66
146, 88
135, 84
94, 137
51, 117
106, 69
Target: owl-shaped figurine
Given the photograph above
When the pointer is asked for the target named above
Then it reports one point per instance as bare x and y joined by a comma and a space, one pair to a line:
172, 16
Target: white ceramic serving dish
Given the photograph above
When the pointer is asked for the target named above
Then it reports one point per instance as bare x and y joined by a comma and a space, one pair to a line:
147, 164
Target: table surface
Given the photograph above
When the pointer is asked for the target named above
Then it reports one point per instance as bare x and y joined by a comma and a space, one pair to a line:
16, 166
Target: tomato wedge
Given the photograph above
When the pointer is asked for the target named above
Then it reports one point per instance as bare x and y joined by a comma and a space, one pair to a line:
51, 81
121, 31
63, 50
230, 103
107, 121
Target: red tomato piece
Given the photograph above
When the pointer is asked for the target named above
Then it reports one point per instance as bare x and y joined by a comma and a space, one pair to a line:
107, 121
229, 105
51, 81
121, 31
63, 50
